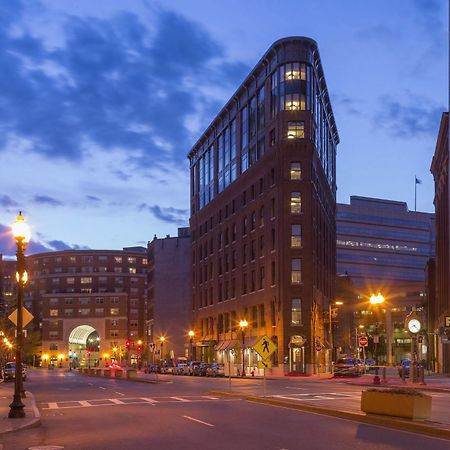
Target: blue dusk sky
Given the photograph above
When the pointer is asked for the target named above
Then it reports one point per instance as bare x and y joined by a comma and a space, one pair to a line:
100, 102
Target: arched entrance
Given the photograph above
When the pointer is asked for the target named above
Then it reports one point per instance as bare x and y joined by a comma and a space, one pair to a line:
84, 347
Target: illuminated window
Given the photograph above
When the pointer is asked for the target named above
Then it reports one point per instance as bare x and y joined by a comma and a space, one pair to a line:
118, 259
132, 270
296, 271
296, 171
53, 313
296, 203
84, 311
296, 312
296, 236
86, 280
114, 311
132, 260
295, 130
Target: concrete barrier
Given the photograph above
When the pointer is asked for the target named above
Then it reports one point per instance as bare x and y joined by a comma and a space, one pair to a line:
98, 372
131, 373
107, 372
118, 373
91, 371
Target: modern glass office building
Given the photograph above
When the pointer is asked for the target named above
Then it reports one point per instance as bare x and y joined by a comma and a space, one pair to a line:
263, 184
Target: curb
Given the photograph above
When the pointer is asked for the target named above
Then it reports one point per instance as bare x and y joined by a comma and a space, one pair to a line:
404, 386
371, 419
30, 424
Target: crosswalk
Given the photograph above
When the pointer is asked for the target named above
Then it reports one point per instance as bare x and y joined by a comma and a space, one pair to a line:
319, 396
126, 401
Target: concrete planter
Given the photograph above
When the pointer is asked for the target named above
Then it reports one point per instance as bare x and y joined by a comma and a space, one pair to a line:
131, 373
91, 371
396, 403
118, 373
86, 370
107, 372
98, 372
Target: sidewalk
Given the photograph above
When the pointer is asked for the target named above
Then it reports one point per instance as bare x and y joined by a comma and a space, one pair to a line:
32, 416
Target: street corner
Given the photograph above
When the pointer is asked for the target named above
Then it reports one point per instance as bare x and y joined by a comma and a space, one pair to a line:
32, 415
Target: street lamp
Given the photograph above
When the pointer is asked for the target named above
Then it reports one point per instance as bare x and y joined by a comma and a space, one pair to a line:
191, 342
22, 234
161, 340
330, 328
243, 324
376, 300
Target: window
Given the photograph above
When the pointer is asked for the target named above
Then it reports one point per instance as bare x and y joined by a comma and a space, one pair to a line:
295, 130
253, 281
114, 333
84, 311
68, 301
244, 283
244, 254
296, 271
102, 269
272, 138
114, 300
114, 323
55, 280
53, 334
255, 316
296, 203
261, 277
296, 171
253, 250
133, 323
244, 226
253, 223
131, 260
99, 300
272, 274
54, 301
83, 301
73, 259
87, 259
233, 232
53, 313
296, 312
99, 311
68, 312
244, 139
118, 259
262, 315
70, 280
261, 216
103, 258
132, 270
86, 280
296, 236
114, 311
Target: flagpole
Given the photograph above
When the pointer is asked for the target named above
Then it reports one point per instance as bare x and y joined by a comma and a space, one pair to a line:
415, 193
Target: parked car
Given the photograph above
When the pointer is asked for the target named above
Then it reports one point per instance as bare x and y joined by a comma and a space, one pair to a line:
180, 369
201, 369
114, 366
152, 368
9, 371
193, 367
167, 368
403, 368
348, 367
215, 370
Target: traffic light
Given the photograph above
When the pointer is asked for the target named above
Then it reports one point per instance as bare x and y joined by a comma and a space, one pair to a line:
139, 349
128, 343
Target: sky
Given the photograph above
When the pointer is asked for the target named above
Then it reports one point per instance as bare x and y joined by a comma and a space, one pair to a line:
101, 101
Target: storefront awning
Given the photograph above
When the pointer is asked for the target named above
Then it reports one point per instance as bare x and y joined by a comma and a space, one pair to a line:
227, 345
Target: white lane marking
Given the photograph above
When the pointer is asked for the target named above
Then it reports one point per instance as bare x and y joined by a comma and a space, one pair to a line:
84, 403
116, 401
199, 421
91, 384
52, 406
101, 387
149, 400
299, 388
120, 393
210, 398
180, 399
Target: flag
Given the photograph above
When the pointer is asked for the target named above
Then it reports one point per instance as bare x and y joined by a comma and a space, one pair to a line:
418, 181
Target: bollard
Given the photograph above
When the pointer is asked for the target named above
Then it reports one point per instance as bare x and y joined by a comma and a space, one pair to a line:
422, 376
384, 376
404, 374
376, 378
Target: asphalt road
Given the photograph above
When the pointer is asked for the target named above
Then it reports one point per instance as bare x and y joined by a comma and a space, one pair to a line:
80, 412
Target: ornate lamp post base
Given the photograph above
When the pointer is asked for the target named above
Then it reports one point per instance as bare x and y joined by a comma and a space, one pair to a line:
16, 409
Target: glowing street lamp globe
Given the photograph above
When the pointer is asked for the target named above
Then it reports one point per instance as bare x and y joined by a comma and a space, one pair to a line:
20, 229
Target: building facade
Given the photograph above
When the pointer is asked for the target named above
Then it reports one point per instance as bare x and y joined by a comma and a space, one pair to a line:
7, 287
384, 248
89, 304
169, 297
263, 185
441, 307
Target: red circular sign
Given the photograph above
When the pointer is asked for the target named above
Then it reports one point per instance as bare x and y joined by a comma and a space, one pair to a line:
318, 347
363, 341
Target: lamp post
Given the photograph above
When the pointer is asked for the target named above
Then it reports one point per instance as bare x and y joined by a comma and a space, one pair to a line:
191, 342
379, 300
22, 234
161, 340
330, 328
243, 324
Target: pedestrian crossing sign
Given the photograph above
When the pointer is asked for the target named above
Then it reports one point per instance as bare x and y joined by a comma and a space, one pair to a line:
264, 364
265, 347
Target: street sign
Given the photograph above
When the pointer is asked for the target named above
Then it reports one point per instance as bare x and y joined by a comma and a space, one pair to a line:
264, 364
264, 347
318, 347
363, 341
27, 317
376, 339
447, 321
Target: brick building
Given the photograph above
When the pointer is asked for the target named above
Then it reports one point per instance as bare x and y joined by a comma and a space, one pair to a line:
88, 303
263, 215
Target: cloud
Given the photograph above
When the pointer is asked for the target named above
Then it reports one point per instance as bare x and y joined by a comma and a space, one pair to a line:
420, 119
377, 33
350, 105
7, 202
93, 198
47, 200
113, 82
61, 245
168, 215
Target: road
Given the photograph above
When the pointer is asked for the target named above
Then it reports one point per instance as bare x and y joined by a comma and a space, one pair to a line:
80, 412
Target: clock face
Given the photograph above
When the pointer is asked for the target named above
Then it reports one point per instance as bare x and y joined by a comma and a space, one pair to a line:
414, 326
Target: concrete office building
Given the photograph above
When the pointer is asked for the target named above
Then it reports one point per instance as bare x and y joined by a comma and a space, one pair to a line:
263, 185
440, 309
384, 248
169, 297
